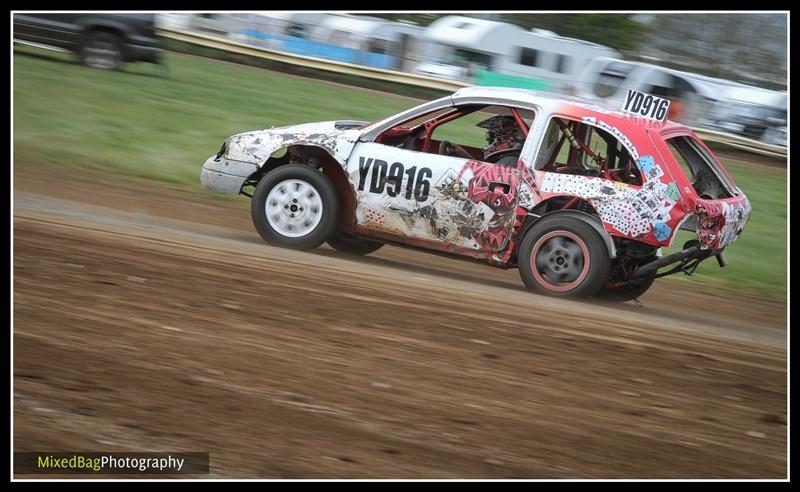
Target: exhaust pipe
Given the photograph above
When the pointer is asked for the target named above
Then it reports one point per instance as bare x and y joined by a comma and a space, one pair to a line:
647, 268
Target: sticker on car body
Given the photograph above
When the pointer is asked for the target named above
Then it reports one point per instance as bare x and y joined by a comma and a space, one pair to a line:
646, 105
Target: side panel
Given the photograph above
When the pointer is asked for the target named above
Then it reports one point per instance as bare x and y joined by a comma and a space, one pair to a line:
648, 213
57, 30
462, 205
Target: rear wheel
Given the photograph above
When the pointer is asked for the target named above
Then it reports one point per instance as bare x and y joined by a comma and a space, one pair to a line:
563, 257
295, 206
101, 50
347, 243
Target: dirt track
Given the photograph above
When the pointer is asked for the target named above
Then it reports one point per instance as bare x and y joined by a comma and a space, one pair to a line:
153, 319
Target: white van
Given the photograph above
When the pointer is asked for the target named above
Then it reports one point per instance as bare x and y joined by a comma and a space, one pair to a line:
752, 112
697, 100
693, 96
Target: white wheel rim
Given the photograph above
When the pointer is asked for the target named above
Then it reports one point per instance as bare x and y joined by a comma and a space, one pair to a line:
101, 54
293, 208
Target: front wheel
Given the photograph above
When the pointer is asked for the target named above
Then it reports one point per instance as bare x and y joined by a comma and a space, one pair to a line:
295, 206
563, 256
102, 50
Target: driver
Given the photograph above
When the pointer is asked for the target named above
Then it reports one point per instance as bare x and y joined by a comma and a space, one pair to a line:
504, 140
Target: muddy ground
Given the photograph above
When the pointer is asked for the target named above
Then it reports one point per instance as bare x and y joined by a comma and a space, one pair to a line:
151, 318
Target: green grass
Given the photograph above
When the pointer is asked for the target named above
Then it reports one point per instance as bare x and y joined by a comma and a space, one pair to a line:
757, 261
139, 123
142, 124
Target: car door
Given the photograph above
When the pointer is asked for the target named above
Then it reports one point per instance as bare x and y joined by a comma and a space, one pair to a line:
448, 203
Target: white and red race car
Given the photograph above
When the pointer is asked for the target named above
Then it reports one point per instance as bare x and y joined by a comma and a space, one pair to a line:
581, 198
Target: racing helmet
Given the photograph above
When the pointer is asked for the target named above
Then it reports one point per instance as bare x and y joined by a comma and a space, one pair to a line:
502, 135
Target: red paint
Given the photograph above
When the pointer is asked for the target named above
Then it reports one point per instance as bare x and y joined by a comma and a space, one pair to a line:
570, 203
501, 201
520, 121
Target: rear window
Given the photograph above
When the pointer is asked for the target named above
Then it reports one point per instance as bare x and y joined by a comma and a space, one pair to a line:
708, 180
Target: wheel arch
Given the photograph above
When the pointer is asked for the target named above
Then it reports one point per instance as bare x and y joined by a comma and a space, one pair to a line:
115, 29
319, 157
588, 268
106, 25
589, 219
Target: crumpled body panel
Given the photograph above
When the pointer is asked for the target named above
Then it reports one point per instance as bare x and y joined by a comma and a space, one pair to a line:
257, 146
721, 222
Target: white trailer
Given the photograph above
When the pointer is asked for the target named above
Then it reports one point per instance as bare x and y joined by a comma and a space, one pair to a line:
464, 46
399, 40
237, 25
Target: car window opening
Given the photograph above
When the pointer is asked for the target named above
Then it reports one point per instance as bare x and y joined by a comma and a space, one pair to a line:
702, 171
572, 147
488, 133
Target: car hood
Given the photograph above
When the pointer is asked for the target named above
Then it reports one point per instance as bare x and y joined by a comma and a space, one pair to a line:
336, 137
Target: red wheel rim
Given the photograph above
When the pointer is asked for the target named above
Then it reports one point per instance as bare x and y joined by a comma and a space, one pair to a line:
560, 261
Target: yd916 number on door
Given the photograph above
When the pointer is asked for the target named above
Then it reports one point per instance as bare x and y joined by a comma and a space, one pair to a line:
394, 179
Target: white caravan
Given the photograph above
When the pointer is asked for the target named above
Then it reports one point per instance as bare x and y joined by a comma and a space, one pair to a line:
463, 46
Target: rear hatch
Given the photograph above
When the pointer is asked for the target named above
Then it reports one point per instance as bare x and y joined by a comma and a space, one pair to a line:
719, 210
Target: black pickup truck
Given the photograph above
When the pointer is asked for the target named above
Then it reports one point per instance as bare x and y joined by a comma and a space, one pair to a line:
100, 40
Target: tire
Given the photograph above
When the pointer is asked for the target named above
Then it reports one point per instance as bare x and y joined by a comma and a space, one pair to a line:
627, 292
101, 49
562, 256
295, 206
346, 243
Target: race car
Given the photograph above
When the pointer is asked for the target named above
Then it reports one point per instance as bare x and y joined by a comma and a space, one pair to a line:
580, 198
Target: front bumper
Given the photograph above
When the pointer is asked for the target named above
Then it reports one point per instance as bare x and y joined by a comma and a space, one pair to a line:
225, 175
